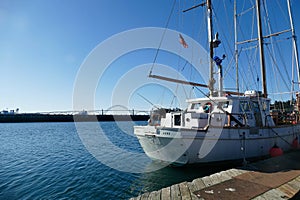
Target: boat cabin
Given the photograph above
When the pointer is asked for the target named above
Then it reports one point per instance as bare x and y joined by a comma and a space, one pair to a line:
250, 110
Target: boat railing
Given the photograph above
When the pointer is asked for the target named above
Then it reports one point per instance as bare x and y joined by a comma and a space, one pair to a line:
284, 118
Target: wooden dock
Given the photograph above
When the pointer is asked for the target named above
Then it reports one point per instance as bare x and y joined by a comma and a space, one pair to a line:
274, 178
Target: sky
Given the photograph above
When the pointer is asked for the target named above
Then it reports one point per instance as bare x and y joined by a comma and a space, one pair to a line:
45, 43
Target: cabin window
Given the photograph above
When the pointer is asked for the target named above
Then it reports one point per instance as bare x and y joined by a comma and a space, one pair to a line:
244, 106
266, 105
195, 106
256, 107
223, 104
154, 119
177, 120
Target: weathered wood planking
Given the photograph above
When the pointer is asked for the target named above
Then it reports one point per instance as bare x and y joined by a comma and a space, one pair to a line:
166, 193
175, 192
184, 190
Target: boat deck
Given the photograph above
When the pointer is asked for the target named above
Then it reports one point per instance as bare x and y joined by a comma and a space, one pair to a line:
274, 178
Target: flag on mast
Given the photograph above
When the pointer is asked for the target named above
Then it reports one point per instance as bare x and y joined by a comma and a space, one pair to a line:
182, 41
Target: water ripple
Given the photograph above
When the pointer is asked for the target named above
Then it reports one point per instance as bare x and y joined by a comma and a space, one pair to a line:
48, 161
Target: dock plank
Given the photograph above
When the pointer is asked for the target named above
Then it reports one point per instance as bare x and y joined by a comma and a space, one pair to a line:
288, 190
192, 188
184, 191
198, 183
295, 183
237, 172
166, 193
145, 196
217, 178
274, 195
136, 198
207, 180
155, 195
259, 198
175, 192
223, 176
230, 173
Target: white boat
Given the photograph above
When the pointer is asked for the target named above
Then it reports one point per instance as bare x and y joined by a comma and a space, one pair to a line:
224, 126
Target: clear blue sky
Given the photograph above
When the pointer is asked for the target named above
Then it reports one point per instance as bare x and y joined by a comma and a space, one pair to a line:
44, 42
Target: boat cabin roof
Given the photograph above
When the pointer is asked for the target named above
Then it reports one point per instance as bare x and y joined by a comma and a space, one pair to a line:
227, 98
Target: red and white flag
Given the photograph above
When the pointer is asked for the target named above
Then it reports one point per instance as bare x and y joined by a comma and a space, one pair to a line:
182, 41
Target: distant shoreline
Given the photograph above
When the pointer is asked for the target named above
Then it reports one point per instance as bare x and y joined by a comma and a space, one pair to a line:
36, 117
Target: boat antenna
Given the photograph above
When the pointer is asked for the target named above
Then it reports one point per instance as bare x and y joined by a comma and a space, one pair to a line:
147, 100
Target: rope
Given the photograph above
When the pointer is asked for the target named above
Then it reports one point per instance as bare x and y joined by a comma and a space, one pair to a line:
280, 136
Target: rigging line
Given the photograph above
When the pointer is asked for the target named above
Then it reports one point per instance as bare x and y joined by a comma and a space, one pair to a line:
194, 19
284, 15
228, 68
280, 136
277, 67
228, 22
277, 82
280, 93
245, 11
222, 29
243, 73
251, 47
282, 60
232, 66
252, 32
250, 71
226, 43
204, 94
268, 24
160, 43
147, 100
279, 40
185, 92
273, 44
186, 62
253, 25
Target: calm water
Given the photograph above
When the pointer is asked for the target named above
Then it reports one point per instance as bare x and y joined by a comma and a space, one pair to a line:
49, 161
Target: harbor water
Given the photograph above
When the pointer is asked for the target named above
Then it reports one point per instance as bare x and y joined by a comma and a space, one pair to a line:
49, 161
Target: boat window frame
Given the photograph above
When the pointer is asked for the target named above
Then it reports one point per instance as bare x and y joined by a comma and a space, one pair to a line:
245, 103
194, 107
224, 104
177, 119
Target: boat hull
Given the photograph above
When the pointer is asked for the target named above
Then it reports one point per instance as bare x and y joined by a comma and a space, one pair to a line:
188, 146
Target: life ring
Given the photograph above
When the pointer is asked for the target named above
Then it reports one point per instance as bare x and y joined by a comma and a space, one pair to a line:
208, 107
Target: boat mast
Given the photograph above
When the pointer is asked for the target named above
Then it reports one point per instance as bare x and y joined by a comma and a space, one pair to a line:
211, 49
236, 47
261, 50
294, 38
